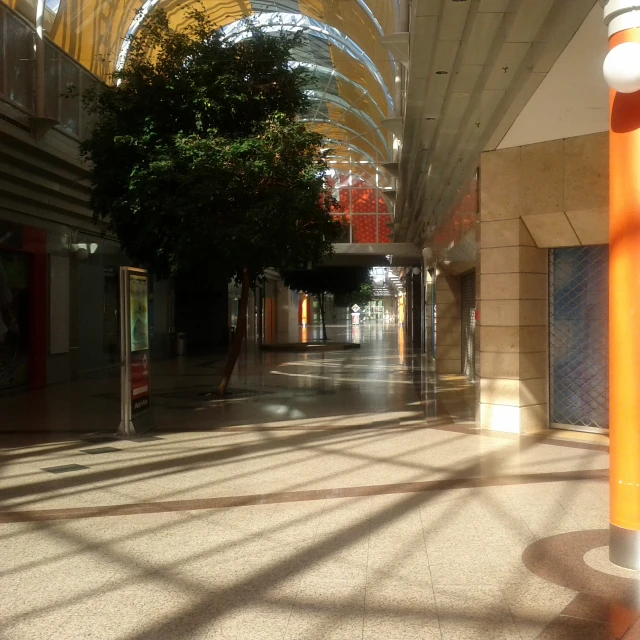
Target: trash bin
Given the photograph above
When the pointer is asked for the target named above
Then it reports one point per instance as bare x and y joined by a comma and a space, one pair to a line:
181, 344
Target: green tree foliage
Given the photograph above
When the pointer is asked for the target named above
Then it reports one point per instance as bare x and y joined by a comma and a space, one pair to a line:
339, 281
362, 296
198, 163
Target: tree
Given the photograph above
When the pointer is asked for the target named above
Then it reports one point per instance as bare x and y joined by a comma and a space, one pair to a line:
198, 163
339, 281
362, 296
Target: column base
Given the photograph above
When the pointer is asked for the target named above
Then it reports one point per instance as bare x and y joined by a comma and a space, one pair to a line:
624, 547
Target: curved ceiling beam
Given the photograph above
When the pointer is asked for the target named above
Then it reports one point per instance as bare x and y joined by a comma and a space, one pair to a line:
327, 71
396, 10
347, 145
273, 21
339, 125
146, 8
361, 115
365, 7
137, 21
356, 167
277, 21
336, 125
359, 174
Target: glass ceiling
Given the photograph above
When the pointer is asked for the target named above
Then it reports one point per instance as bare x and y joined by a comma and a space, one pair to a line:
352, 75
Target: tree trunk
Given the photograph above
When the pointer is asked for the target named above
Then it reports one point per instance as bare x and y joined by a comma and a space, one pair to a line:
324, 326
241, 329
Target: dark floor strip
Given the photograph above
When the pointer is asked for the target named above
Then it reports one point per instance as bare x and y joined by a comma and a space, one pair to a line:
299, 496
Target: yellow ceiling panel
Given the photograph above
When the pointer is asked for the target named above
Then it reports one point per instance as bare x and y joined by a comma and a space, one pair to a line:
350, 19
353, 122
92, 31
383, 10
356, 71
385, 13
334, 112
329, 130
364, 137
359, 100
221, 12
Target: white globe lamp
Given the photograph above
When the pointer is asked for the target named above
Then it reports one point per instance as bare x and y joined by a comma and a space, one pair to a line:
621, 68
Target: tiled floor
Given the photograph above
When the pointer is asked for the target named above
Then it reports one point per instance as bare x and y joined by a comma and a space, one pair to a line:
347, 496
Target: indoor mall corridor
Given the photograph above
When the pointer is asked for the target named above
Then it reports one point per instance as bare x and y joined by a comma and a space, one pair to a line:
335, 494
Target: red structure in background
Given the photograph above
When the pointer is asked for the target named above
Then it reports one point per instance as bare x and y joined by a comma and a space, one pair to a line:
461, 219
370, 220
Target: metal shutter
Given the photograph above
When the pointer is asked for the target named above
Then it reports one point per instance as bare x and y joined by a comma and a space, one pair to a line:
468, 288
579, 336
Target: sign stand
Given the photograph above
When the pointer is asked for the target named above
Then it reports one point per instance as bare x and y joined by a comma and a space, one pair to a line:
135, 395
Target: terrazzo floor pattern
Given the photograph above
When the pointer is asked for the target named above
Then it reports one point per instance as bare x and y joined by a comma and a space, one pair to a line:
350, 498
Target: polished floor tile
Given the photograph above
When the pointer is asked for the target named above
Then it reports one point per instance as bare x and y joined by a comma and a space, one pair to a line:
341, 495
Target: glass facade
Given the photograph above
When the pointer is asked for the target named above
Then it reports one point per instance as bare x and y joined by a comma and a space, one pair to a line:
363, 209
65, 79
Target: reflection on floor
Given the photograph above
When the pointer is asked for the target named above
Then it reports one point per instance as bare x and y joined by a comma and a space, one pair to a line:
336, 495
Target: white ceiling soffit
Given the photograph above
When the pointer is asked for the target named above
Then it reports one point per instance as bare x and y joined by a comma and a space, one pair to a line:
474, 65
573, 100
465, 250
398, 45
394, 125
391, 168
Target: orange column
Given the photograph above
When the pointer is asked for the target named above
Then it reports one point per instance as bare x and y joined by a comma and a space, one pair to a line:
624, 321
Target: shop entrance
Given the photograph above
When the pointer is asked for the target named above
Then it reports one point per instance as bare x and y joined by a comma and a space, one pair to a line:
468, 304
14, 318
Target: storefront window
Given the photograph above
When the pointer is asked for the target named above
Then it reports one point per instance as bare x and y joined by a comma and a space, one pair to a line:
14, 319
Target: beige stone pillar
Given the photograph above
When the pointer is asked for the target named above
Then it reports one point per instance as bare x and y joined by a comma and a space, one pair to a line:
513, 318
448, 324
